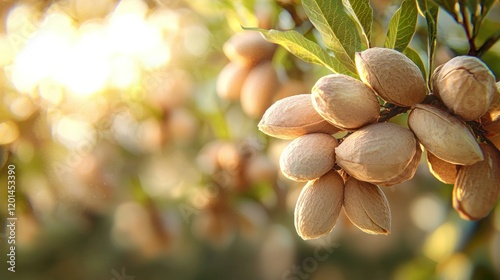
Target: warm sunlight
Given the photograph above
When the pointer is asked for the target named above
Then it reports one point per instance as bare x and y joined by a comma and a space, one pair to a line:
89, 57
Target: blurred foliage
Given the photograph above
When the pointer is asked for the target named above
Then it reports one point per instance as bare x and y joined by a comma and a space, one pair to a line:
110, 115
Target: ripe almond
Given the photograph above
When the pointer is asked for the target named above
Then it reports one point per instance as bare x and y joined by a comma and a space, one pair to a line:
392, 75
345, 102
466, 86
258, 89
407, 173
491, 120
477, 186
319, 205
230, 81
443, 171
495, 140
366, 207
308, 157
377, 153
248, 48
292, 117
444, 135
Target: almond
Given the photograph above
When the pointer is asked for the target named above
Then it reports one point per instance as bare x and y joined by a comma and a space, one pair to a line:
366, 207
292, 117
443, 171
345, 102
230, 81
466, 86
407, 173
477, 186
444, 135
248, 48
258, 89
392, 75
319, 205
491, 120
377, 152
308, 157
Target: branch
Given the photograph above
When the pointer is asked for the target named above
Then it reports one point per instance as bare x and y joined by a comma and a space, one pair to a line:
488, 44
467, 28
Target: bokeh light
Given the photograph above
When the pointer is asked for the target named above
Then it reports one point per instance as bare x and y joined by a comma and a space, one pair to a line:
127, 160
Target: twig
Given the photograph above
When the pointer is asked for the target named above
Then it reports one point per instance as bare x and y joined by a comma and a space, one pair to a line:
465, 24
488, 44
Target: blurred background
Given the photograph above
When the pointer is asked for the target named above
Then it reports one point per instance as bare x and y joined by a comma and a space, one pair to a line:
131, 164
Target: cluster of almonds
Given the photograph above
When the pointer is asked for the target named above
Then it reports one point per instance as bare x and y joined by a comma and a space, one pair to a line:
250, 77
235, 165
348, 171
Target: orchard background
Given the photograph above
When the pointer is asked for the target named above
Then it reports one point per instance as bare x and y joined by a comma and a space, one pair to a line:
131, 163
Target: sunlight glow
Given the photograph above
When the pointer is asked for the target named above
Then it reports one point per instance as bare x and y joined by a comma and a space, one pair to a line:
89, 58
442, 242
72, 132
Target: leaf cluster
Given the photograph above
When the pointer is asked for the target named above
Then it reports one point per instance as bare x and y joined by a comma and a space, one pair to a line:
346, 26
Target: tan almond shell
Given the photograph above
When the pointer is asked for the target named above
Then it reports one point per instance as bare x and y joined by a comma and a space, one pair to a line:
230, 81
308, 157
345, 102
466, 86
377, 152
443, 171
495, 140
248, 48
258, 89
392, 75
444, 135
319, 205
477, 186
407, 173
491, 120
292, 117
367, 207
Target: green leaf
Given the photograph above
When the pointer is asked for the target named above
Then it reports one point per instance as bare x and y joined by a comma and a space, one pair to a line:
402, 26
363, 15
430, 11
415, 57
485, 6
305, 49
337, 29
449, 6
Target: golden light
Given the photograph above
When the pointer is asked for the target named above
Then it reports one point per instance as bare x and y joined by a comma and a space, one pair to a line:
427, 212
9, 132
44, 54
124, 72
442, 242
458, 266
86, 68
73, 132
6, 51
22, 107
21, 23
87, 59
